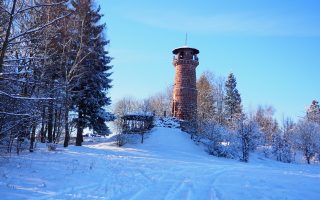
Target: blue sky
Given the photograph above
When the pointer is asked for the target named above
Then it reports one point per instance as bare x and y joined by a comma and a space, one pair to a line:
272, 47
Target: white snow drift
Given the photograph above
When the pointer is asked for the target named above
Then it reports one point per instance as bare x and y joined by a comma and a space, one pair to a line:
167, 166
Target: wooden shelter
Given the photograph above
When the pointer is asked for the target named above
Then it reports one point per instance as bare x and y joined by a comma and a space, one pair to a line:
137, 122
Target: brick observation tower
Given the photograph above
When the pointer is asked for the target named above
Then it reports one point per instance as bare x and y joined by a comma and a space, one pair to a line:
184, 104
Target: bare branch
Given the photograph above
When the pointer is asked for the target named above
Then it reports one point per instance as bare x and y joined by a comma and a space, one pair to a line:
38, 28
19, 81
40, 5
4, 9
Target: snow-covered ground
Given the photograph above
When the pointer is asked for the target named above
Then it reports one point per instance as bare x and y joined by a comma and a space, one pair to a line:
168, 166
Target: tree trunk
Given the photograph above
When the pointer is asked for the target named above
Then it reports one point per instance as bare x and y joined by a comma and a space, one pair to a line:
50, 118
20, 140
18, 146
66, 128
79, 138
5, 43
11, 139
42, 131
308, 160
33, 136
307, 155
55, 125
66, 113
22, 133
58, 132
142, 137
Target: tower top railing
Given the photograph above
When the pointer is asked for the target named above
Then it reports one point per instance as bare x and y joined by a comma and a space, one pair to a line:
193, 61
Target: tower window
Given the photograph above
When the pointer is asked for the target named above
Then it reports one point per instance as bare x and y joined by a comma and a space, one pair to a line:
181, 55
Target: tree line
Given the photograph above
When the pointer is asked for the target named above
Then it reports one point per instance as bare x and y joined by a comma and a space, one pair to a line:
227, 130
54, 72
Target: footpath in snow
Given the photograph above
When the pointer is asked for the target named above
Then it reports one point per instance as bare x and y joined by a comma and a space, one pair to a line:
167, 166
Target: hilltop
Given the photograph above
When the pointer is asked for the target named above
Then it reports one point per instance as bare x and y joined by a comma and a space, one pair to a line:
167, 166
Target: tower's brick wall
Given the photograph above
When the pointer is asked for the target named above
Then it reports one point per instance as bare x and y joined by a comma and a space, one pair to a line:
185, 88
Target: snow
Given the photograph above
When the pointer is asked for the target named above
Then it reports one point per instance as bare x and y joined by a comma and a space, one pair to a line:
147, 114
167, 166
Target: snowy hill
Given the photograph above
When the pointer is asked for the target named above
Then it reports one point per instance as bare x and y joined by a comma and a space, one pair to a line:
167, 166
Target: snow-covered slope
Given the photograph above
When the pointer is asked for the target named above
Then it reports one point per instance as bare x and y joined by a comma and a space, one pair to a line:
167, 166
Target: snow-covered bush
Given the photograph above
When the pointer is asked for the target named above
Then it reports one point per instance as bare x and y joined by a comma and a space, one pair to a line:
249, 137
220, 141
307, 137
282, 148
121, 139
4, 143
9, 143
51, 147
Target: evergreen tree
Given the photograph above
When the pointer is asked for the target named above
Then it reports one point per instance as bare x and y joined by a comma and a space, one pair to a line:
313, 112
89, 93
232, 103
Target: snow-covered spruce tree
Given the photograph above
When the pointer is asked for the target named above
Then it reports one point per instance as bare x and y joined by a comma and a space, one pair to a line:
232, 103
313, 115
89, 93
307, 137
313, 112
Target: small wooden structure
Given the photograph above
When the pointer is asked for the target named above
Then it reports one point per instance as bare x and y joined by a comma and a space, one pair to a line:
137, 122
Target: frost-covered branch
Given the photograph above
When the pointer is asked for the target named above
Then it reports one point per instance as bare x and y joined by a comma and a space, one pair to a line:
24, 98
17, 80
24, 58
14, 114
16, 73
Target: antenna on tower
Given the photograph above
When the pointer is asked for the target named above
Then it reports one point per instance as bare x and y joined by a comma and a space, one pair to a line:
186, 41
